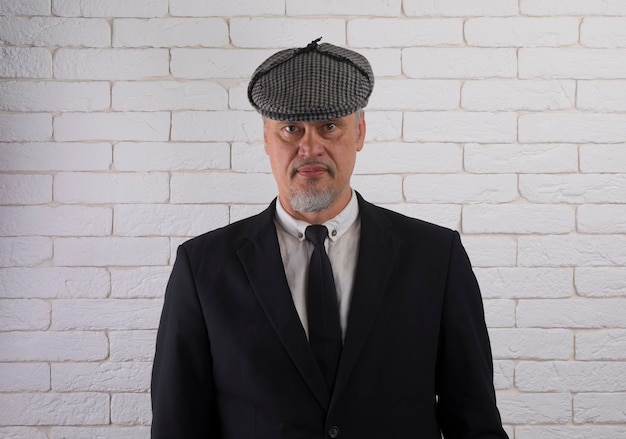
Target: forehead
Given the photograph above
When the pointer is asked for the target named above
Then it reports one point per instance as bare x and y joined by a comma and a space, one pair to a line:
339, 120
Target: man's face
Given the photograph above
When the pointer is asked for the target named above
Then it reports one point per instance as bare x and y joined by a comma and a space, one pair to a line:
312, 161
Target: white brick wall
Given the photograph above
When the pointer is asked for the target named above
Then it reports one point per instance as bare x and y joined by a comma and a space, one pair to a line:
125, 129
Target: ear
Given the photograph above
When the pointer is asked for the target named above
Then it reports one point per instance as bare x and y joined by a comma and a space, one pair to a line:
362, 131
265, 140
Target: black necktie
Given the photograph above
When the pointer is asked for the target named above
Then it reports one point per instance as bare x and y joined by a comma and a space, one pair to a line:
322, 310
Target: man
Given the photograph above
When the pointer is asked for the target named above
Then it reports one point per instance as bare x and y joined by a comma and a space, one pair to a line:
258, 339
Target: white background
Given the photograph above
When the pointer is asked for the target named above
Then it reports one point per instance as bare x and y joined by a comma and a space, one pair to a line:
125, 129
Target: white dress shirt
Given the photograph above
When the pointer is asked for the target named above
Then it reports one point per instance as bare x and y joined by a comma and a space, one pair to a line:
342, 248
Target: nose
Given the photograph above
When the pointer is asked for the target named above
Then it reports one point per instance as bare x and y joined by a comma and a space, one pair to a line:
310, 144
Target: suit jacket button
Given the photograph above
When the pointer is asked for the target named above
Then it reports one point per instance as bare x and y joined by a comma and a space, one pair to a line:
333, 432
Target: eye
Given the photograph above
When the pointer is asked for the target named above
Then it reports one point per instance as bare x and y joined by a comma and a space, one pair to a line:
290, 128
330, 126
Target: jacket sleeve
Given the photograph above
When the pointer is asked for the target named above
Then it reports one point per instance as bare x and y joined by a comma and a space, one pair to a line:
466, 396
183, 393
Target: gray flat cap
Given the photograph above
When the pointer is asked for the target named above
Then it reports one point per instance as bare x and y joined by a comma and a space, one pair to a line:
316, 82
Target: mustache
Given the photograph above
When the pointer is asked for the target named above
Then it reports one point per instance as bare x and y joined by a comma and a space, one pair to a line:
327, 166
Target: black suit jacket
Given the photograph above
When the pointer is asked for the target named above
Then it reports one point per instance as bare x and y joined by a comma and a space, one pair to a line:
232, 359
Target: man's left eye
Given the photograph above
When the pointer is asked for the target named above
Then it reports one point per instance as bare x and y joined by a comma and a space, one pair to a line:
330, 126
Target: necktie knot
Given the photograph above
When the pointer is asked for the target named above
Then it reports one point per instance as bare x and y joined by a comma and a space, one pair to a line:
316, 234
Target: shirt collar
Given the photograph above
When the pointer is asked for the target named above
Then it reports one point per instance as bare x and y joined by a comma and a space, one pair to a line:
337, 225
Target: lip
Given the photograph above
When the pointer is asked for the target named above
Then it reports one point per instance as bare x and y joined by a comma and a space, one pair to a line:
312, 171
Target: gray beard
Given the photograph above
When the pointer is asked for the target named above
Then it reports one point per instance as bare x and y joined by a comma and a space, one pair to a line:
311, 200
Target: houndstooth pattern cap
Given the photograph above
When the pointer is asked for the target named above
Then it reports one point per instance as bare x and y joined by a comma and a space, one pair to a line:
313, 83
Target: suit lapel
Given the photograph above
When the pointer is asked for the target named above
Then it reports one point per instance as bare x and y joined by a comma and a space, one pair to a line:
378, 249
262, 263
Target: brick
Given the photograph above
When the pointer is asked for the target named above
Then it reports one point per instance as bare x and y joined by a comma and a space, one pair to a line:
572, 7
24, 314
51, 156
374, 32
441, 126
214, 187
32, 7
170, 32
110, 8
133, 345
385, 62
54, 409
574, 188
131, 156
460, 188
25, 62
569, 432
54, 346
603, 158
385, 8
285, 32
55, 221
54, 282
599, 408
149, 126
379, 188
600, 281
503, 374
587, 250
525, 283
609, 96
572, 127
201, 8
100, 314
139, 282
521, 32
168, 219
580, 313
535, 344
553, 408
499, 313
516, 158
25, 189
25, 127
491, 251
572, 63
24, 251
518, 218
250, 158
101, 377
447, 215
92, 187
383, 126
516, 95
115, 251
608, 218
22, 432
111, 64
238, 96
107, 432
601, 345
216, 63
54, 96
407, 94
54, 31
460, 8
401, 158
169, 95
244, 211
603, 32
459, 62
216, 126
564, 376
131, 409
24, 377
